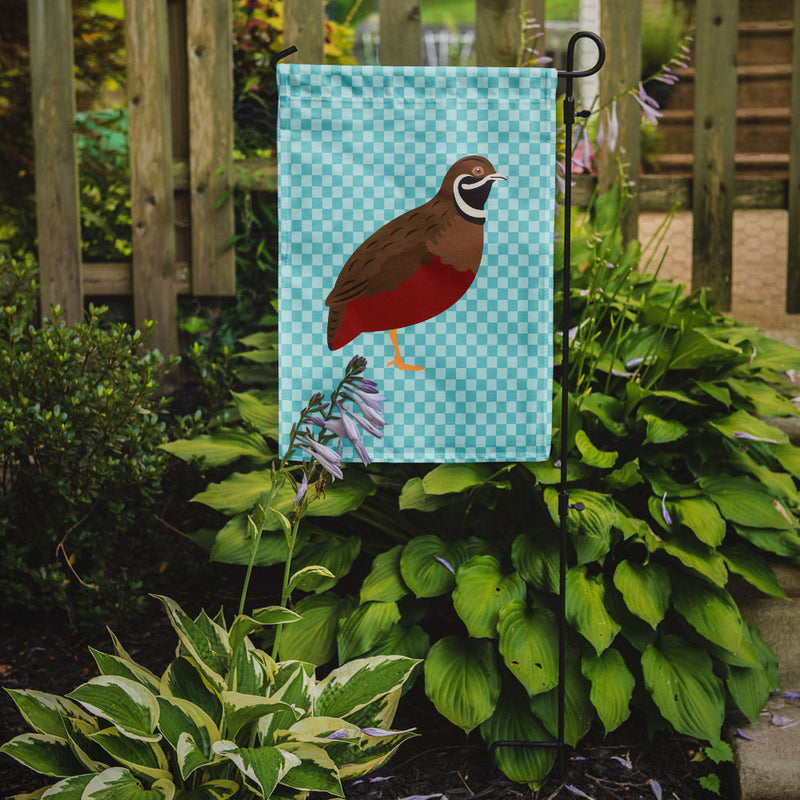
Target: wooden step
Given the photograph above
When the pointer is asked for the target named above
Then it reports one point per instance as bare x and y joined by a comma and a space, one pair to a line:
754, 10
765, 42
767, 165
758, 130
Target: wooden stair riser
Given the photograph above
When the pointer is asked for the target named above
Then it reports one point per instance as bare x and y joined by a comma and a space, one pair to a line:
760, 43
757, 88
752, 135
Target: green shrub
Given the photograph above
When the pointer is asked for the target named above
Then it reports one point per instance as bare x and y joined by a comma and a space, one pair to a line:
79, 430
223, 720
683, 484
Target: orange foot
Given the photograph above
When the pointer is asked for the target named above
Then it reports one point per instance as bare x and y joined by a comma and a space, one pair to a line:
398, 359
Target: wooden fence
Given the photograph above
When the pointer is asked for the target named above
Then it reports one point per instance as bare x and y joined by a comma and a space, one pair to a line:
181, 134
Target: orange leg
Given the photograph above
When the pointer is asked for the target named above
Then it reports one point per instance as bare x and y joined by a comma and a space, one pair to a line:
398, 359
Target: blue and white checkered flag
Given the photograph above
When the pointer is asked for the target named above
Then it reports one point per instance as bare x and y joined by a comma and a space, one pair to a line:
416, 229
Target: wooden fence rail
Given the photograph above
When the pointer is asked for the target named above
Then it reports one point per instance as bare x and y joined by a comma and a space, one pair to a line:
180, 101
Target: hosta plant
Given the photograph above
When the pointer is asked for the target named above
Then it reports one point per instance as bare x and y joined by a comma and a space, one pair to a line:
684, 484
224, 720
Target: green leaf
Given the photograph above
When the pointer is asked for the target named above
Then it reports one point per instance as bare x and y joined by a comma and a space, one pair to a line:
316, 772
608, 410
223, 446
237, 493
212, 790
710, 610
782, 543
749, 688
746, 561
646, 589
423, 572
766, 401
144, 759
612, 687
44, 753
462, 680
788, 455
241, 709
537, 561
244, 625
742, 422
261, 416
125, 668
365, 627
590, 528
481, 591
625, 477
67, 789
313, 638
385, 581
591, 456
358, 683
117, 783
182, 679
399, 640
774, 355
691, 553
413, 496
578, 710
512, 721
683, 685
586, 608
717, 392
663, 431
44, 712
448, 478
529, 645
745, 502
264, 766
701, 517
126, 704
334, 553
234, 544
696, 349
307, 578
178, 717
548, 474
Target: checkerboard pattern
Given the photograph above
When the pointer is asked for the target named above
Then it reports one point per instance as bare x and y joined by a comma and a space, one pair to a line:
358, 146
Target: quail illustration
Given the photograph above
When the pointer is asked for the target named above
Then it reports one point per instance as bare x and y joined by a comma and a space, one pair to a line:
416, 266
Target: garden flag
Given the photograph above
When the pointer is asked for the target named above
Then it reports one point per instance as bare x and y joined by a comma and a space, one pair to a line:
416, 229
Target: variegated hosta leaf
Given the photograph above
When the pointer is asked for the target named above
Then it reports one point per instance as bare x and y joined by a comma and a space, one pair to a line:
212, 790
316, 771
204, 641
68, 789
78, 733
481, 591
126, 704
365, 627
529, 645
145, 759
262, 766
180, 717
294, 685
117, 783
252, 670
612, 686
462, 680
44, 753
45, 712
356, 684
374, 752
125, 668
683, 685
322, 731
513, 721
190, 755
586, 608
244, 625
242, 709
183, 679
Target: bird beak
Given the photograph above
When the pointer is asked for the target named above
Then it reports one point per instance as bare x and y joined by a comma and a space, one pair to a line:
496, 176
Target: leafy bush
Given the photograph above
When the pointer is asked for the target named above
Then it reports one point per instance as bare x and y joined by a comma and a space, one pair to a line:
79, 430
683, 484
222, 717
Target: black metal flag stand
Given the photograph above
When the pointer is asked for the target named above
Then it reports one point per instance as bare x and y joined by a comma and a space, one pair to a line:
564, 505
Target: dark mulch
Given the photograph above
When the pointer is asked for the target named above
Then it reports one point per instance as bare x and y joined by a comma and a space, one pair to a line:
45, 655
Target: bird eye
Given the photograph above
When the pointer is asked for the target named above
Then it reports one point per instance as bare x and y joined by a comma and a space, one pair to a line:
477, 171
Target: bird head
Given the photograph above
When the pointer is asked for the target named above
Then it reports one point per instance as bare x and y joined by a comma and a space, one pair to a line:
469, 182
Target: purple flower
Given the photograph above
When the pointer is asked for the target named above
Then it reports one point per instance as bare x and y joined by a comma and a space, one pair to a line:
664, 512
624, 761
608, 131
301, 489
369, 404
326, 457
577, 792
365, 424
751, 437
742, 735
345, 428
446, 564
649, 106
792, 695
342, 733
655, 786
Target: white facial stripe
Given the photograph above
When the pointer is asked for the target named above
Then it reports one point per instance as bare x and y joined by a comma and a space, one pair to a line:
463, 206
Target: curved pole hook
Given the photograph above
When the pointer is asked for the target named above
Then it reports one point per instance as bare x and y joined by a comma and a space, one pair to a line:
570, 71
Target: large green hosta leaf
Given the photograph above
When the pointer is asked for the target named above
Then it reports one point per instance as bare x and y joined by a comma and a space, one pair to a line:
646, 589
335, 553
513, 721
428, 565
385, 582
782, 543
590, 528
683, 685
365, 627
740, 424
447, 478
591, 455
313, 637
745, 502
462, 680
612, 686
537, 561
413, 496
586, 608
701, 517
709, 610
223, 446
746, 561
529, 645
481, 591
261, 416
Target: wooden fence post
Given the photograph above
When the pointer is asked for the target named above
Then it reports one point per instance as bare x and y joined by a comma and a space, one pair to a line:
304, 27
210, 54
56, 164
621, 27
498, 30
401, 33
714, 188
152, 201
793, 267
